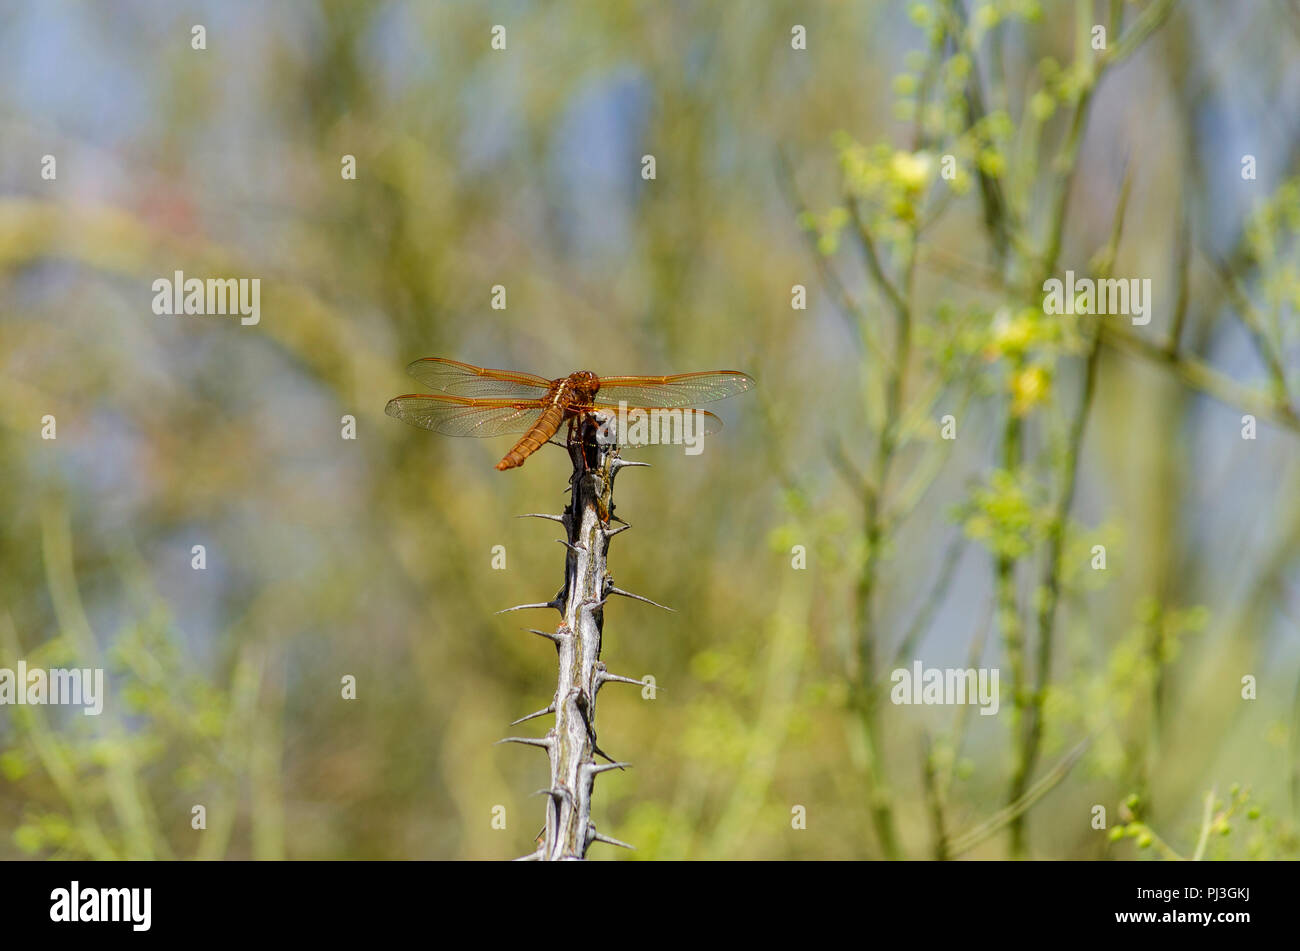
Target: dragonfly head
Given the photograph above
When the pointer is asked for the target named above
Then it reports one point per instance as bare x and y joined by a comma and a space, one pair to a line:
585, 384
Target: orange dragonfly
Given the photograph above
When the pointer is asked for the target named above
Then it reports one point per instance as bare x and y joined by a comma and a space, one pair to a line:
474, 401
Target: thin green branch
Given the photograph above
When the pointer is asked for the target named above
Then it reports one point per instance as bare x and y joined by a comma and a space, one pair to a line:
1254, 325
1207, 820
854, 314
1032, 726
872, 257
934, 799
1001, 818
1201, 376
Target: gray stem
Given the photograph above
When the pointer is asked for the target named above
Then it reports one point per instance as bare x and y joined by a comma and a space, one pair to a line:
571, 744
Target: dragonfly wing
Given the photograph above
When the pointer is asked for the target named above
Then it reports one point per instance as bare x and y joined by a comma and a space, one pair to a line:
679, 390
465, 379
457, 416
710, 422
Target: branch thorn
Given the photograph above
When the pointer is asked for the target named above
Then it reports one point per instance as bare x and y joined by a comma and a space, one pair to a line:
637, 597
540, 604
605, 675
609, 840
531, 716
617, 463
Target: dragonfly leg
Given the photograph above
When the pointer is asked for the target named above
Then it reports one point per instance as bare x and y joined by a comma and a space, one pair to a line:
575, 433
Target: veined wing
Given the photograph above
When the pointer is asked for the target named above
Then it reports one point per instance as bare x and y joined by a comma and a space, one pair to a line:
678, 390
458, 416
465, 379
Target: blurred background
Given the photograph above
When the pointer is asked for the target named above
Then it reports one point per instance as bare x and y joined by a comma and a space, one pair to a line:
856, 203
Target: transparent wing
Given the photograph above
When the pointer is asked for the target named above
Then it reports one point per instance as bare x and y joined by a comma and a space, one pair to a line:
679, 390
465, 379
457, 416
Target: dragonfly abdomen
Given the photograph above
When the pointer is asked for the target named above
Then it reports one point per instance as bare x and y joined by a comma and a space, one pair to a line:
545, 427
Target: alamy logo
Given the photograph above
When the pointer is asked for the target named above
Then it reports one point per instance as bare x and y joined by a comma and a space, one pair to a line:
634, 426
946, 685
240, 297
133, 905
1126, 297
76, 687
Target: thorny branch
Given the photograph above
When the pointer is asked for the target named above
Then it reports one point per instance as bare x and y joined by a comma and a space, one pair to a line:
571, 743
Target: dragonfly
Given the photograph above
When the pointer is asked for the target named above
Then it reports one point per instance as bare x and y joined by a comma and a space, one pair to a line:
475, 401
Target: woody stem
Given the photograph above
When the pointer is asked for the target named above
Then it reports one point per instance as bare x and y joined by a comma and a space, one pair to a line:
573, 748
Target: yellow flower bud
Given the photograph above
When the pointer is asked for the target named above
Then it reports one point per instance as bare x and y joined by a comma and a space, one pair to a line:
1029, 387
